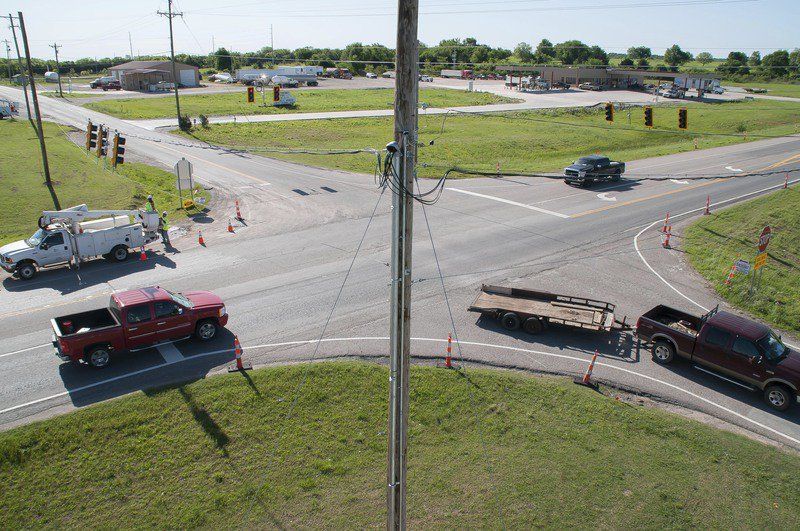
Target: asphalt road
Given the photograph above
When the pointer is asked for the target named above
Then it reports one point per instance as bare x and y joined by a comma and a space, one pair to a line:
281, 273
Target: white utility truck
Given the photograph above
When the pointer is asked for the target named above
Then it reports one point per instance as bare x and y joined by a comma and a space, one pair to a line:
78, 234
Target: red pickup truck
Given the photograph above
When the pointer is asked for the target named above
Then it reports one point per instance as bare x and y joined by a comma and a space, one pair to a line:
136, 320
725, 345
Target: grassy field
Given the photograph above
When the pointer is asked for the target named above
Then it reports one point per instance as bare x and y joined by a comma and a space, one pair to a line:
307, 101
78, 178
714, 242
522, 141
220, 453
68, 96
791, 90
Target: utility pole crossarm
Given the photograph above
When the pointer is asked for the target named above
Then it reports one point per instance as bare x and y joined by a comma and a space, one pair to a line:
55, 47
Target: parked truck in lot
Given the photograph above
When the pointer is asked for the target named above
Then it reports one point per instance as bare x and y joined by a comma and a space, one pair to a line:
136, 320
78, 234
458, 74
725, 345
594, 168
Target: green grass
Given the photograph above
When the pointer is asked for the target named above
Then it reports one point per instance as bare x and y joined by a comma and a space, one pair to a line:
527, 452
544, 140
68, 96
791, 90
713, 243
307, 101
78, 178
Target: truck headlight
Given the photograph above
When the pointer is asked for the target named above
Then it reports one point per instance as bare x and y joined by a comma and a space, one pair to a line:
7, 260
223, 312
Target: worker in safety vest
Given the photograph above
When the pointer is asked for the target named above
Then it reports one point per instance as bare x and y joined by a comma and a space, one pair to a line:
163, 229
150, 206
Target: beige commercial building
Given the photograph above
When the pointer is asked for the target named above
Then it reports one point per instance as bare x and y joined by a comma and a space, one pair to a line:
606, 77
145, 75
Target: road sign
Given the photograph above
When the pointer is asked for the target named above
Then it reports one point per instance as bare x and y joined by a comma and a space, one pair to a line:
763, 240
761, 259
183, 169
743, 266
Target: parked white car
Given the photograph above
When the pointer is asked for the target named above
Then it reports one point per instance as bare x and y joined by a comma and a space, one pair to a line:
372, 75
426, 79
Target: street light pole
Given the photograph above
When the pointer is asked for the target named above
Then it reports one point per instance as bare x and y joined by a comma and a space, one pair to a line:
405, 136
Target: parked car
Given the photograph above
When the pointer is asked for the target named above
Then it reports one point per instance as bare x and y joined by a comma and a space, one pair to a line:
136, 320
222, 77
590, 86
112, 85
285, 82
594, 168
426, 79
717, 90
372, 75
100, 82
728, 346
560, 85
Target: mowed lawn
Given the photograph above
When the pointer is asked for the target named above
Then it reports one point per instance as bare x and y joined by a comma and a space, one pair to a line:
791, 90
307, 101
78, 178
523, 452
527, 141
714, 242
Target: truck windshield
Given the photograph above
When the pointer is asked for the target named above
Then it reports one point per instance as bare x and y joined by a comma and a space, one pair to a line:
585, 160
37, 237
180, 299
772, 346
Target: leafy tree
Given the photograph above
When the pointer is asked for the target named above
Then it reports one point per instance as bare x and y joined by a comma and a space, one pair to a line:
546, 49
598, 55
524, 52
755, 58
639, 52
223, 60
704, 58
776, 64
642, 63
736, 63
674, 56
626, 62
572, 52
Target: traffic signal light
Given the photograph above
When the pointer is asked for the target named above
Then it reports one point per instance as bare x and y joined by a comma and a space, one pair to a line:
609, 112
683, 119
118, 153
276, 93
102, 142
91, 136
251, 94
648, 116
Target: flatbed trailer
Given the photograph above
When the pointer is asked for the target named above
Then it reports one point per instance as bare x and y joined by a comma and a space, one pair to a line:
533, 310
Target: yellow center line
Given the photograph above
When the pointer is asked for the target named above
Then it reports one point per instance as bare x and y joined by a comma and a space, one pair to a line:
787, 160
231, 170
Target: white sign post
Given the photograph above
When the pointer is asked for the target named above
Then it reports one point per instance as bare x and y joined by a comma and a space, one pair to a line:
183, 169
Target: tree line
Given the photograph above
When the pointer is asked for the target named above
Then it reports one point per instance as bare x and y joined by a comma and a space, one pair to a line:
461, 53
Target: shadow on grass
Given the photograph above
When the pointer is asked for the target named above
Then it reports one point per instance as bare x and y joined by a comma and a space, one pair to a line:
204, 420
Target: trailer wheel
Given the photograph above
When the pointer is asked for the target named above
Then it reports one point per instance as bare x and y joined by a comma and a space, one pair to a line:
663, 352
510, 321
779, 397
98, 357
26, 271
119, 253
533, 325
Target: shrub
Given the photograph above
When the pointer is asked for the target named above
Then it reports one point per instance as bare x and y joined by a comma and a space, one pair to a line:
185, 123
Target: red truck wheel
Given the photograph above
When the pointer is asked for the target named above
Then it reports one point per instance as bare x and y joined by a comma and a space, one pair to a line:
98, 357
206, 330
663, 352
779, 397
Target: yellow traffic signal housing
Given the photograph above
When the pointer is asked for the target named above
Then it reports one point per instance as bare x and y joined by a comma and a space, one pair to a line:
118, 152
609, 112
102, 142
648, 116
251, 94
91, 136
683, 119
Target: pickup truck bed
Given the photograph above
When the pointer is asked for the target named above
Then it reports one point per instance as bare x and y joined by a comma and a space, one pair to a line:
80, 323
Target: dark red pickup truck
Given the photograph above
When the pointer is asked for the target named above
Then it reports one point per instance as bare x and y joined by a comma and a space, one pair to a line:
135, 320
733, 348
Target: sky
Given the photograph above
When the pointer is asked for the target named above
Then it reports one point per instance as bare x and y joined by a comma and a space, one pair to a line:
101, 28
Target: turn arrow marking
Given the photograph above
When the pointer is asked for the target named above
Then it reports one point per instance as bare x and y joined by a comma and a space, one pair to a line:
604, 197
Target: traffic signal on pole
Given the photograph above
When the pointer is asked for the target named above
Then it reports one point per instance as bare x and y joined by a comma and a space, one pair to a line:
91, 136
609, 112
102, 142
276, 93
648, 116
251, 94
118, 153
683, 119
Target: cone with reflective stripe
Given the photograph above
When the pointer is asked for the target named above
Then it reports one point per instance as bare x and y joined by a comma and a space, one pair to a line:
237, 353
708, 206
448, 358
238, 212
731, 274
230, 226
143, 255
786, 181
587, 378
200, 239
667, 234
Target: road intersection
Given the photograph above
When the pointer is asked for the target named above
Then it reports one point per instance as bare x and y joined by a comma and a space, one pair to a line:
280, 274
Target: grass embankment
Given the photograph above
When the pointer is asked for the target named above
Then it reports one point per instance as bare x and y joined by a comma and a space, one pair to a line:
77, 178
714, 242
307, 101
220, 453
70, 95
791, 90
544, 140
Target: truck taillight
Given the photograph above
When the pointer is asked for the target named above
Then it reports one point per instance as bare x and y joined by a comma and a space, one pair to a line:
64, 346
638, 322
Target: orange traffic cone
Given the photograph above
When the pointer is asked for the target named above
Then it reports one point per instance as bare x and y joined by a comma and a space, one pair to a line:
448, 358
731, 274
230, 226
237, 353
200, 239
786, 181
238, 212
587, 378
708, 206
143, 255
667, 234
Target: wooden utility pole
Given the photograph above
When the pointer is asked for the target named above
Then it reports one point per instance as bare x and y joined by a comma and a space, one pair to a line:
170, 15
8, 58
55, 47
405, 137
21, 71
38, 114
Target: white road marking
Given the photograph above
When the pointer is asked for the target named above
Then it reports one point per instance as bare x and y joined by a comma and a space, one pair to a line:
509, 202
170, 353
604, 196
25, 350
677, 181
472, 343
731, 168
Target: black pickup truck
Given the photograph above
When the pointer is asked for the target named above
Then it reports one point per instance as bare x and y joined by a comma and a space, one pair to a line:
594, 168
725, 345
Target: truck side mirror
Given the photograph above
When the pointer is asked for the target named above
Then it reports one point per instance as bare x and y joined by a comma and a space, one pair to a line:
43, 247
